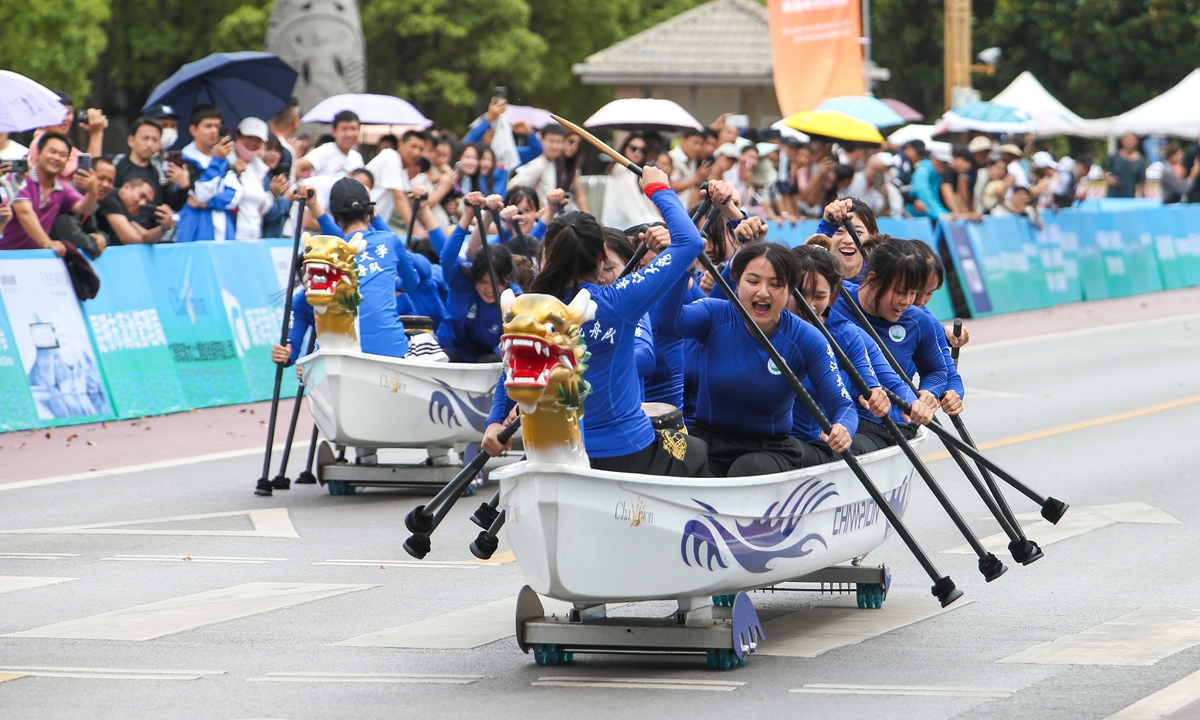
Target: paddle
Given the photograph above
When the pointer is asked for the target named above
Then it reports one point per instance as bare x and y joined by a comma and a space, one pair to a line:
1052, 509
954, 350
989, 565
943, 587
264, 486
280, 481
412, 222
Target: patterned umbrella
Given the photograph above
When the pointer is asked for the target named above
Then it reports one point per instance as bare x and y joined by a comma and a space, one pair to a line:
866, 108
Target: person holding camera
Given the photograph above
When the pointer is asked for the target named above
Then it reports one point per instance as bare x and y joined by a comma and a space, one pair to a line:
130, 217
216, 192
44, 197
91, 121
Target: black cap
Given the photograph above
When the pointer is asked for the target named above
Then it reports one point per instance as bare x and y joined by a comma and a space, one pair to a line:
348, 195
159, 112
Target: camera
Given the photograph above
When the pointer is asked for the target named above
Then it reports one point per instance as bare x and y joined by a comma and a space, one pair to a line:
81, 117
175, 157
146, 215
281, 169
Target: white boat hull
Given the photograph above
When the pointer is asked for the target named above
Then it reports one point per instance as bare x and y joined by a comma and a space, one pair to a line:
583, 535
362, 400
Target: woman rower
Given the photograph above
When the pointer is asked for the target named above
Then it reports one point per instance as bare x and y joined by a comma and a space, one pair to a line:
896, 273
951, 399
862, 218
618, 436
744, 405
471, 329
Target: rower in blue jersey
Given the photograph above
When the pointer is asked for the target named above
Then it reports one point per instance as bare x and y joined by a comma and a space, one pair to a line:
617, 434
382, 260
472, 327
744, 404
952, 398
300, 324
896, 273
842, 245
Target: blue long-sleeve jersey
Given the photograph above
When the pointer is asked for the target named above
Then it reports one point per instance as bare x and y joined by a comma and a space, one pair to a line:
909, 339
525, 152
887, 378
740, 389
954, 381
471, 327
302, 321
643, 350
613, 421
382, 261
849, 338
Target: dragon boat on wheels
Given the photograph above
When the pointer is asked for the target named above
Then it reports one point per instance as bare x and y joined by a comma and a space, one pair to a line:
595, 538
367, 402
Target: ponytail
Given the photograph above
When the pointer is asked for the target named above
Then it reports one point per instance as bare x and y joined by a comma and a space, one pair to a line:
571, 252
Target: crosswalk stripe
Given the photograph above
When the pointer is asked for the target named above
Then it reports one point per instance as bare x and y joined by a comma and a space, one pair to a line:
911, 690
90, 673
402, 678
35, 556
267, 522
192, 558
809, 633
1179, 697
153, 620
461, 629
1077, 521
636, 683
1142, 637
10, 583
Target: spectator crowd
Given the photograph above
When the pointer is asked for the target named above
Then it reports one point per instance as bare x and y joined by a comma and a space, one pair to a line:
240, 183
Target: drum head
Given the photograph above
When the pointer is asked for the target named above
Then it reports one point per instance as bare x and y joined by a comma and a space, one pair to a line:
664, 416
416, 324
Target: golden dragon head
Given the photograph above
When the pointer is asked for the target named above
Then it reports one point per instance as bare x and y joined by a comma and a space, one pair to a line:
331, 287
544, 352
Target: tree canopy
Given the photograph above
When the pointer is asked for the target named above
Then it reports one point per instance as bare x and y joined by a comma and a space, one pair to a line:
55, 42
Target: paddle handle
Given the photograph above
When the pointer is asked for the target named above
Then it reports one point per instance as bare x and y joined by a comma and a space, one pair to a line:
600, 145
957, 333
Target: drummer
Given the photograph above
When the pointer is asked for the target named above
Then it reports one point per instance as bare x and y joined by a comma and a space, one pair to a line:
744, 404
618, 436
383, 259
896, 273
471, 329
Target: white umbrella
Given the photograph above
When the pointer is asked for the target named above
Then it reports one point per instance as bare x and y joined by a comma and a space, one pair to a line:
370, 109
643, 114
26, 105
924, 133
789, 132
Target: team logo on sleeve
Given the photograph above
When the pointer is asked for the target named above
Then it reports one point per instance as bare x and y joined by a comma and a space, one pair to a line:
897, 333
773, 368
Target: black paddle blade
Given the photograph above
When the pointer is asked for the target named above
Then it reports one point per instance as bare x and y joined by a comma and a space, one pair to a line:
484, 545
1053, 510
1025, 551
945, 591
418, 546
991, 567
419, 522
264, 487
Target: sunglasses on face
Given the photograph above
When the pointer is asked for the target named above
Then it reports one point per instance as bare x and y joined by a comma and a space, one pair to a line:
637, 148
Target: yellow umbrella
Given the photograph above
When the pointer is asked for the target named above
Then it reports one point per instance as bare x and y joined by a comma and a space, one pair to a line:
834, 124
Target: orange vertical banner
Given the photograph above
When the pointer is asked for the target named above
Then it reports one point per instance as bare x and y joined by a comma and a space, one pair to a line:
816, 51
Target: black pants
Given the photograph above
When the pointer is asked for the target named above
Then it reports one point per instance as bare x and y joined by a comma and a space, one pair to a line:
734, 455
872, 436
672, 453
485, 358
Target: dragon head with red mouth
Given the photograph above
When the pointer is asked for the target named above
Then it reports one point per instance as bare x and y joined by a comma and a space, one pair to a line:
544, 353
331, 287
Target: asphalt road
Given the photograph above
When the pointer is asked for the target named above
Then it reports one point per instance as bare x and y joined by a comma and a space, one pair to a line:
283, 606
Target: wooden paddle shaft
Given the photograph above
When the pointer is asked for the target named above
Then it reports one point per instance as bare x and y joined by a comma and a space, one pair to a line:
600, 145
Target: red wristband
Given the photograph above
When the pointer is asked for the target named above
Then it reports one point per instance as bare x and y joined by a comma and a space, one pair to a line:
655, 187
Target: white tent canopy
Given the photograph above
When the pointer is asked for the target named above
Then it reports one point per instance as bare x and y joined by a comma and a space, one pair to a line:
1176, 112
1050, 115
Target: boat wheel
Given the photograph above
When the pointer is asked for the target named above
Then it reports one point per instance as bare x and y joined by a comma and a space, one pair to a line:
870, 595
723, 659
549, 654
723, 600
340, 487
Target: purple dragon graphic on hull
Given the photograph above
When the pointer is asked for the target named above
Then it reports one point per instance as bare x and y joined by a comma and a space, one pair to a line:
754, 544
475, 408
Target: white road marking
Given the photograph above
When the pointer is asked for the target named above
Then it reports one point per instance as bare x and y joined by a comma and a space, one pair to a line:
36, 556
461, 629
403, 678
270, 522
162, 464
636, 683
1077, 521
913, 690
9, 583
193, 558
1142, 637
809, 633
154, 620
1174, 697
974, 392
89, 673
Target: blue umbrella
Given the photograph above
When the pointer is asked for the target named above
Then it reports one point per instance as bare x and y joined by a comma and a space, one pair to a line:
866, 108
988, 117
240, 84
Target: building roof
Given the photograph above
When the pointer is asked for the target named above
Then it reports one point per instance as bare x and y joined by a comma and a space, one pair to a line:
723, 42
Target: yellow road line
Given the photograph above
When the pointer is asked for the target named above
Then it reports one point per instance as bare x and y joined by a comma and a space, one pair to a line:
1072, 427
4, 677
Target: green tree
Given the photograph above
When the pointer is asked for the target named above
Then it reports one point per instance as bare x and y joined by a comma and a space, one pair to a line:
445, 55
55, 42
907, 39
